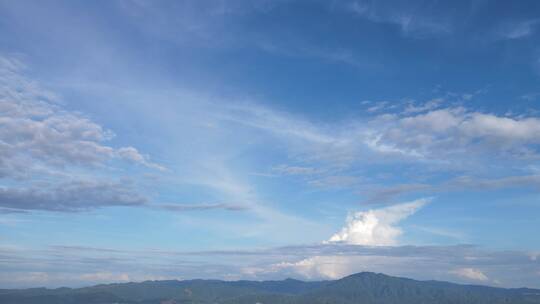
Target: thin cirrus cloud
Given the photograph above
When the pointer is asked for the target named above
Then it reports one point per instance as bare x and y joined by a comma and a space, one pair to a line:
413, 19
517, 30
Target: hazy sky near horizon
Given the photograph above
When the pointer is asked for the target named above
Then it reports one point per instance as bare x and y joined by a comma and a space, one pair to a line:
269, 139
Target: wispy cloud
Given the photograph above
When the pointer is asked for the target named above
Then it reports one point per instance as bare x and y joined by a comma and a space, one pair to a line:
295, 170
195, 207
413, 19
517, 29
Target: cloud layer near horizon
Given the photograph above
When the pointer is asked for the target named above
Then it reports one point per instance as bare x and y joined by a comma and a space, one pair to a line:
87, 265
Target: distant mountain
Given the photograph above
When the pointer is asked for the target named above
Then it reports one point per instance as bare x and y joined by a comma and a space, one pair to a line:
360, 288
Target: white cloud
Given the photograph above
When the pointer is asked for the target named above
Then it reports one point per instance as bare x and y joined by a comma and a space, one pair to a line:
35, 131
133, 155
423, 132
471, 274
328, 267
377, 227
458, 131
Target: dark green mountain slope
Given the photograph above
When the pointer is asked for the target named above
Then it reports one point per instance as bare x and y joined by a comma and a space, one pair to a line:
363, 288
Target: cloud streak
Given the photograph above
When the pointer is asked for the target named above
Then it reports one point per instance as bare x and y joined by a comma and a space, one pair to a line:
70, 197
201, 207
462, 183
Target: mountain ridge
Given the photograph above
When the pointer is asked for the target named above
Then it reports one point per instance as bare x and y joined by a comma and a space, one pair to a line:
363, 287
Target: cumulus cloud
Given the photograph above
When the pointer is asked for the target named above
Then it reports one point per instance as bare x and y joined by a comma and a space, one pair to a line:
471, 274
48, 153
452, 131
377, 227
35, 131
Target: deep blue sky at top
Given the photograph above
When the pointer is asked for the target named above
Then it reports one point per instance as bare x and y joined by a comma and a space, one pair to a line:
256, 49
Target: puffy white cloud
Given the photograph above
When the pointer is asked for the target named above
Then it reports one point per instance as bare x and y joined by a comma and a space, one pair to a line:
376, 227
471, 274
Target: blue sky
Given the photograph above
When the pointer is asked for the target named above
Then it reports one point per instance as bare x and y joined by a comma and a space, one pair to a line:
269, 139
